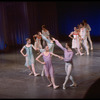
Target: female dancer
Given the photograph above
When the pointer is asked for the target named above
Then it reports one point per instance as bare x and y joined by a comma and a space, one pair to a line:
46, 33
88, 32
83, 35
76, 41
50, 44
37, 43
48, 66
68, 55
29, 56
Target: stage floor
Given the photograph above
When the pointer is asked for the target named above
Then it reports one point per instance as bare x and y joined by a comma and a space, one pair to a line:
16, 83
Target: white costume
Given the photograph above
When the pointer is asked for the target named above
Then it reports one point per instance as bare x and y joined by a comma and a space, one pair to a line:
88, 35
83, 35
75, 40
46, 34
37, 43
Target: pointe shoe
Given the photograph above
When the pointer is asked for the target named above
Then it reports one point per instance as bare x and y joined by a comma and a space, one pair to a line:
91, 48
36, 74
73, 85
42, 74
76, 53
87, 53
56, 87
81, 54
50, 85
30, 73
64, 87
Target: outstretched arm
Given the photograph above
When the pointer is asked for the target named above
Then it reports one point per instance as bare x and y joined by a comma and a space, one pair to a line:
43, 37
58, 44
60, 57
37, 59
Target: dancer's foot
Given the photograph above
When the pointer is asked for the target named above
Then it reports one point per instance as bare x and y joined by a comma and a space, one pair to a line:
73, 85
37, 74
31, 73
87, 53
91, 48
50, 85
76, 53
56, 86
81, 54
42, 74
64, 86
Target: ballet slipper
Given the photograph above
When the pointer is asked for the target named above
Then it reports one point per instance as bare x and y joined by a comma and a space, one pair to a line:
76, 53
50, 85
64, 87
36, 74
55, 87
81, 54
73, 85
30, 73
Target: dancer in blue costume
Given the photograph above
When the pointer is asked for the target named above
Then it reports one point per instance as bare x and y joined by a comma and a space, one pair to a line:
29, 56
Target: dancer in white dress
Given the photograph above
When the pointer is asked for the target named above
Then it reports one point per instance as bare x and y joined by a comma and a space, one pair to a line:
83, 35
46, 33
76, 41
88, 33
37, 43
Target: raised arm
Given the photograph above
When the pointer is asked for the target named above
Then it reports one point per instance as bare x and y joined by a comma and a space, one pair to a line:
37, 59
43, 37
58, 44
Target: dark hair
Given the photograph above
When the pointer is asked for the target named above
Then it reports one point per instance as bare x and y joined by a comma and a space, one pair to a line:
82, 24
84, 21
27, 39
43, 26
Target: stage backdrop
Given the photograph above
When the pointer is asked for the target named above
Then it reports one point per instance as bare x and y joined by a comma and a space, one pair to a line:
19, 20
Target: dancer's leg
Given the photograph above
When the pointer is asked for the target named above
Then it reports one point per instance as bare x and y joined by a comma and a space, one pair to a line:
86, 46
30, 68
68, 69
73, 82
89, 38
43, 70
33, 69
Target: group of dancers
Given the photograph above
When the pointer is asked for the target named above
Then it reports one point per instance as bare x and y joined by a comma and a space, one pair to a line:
79, 37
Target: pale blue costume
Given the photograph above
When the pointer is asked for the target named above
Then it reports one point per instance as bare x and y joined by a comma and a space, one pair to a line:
50, 45
29, 57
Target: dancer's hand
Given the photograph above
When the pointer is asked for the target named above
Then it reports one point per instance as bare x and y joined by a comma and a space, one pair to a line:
53, 39
25, 55
40, 33
37, 49
61, 58
43, 63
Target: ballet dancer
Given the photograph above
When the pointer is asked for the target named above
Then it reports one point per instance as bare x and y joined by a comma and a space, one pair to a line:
49, 71
75, 41
83, 35
29, 56
68, 55
37, 43
50, 44
46, 33
88, 33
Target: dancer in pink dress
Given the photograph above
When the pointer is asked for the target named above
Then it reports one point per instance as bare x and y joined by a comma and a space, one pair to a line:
49, 71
